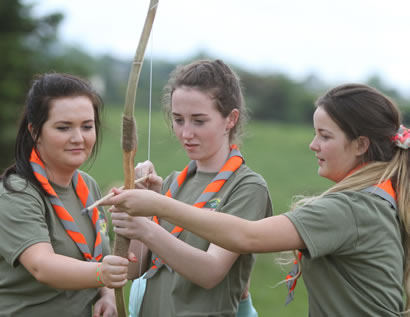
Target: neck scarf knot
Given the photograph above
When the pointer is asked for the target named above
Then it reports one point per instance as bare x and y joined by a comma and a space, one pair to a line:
65, 217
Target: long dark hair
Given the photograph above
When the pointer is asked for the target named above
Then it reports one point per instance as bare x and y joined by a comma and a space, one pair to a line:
44, 89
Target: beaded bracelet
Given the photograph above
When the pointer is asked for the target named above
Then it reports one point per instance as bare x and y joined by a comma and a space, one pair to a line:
98, 276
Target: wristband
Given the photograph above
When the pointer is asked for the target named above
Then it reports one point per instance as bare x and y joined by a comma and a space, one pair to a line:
100, 282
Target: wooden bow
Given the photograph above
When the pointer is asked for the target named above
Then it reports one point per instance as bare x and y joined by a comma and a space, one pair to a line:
129, 136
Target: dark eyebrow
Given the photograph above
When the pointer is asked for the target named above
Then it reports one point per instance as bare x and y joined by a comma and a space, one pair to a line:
89, 121
325, 130
194, 115
69, 122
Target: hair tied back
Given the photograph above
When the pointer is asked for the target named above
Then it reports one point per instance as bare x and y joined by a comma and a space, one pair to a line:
402, 138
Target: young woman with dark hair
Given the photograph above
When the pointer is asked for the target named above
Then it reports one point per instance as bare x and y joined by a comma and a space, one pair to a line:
53, 258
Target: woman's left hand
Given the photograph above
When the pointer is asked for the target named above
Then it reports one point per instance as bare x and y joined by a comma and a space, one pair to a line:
105, 305
154, 182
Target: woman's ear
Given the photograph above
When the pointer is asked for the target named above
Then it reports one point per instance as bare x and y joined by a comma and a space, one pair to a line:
232, 118
30, 129
362, 145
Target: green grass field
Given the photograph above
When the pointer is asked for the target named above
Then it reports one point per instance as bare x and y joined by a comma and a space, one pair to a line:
279, 152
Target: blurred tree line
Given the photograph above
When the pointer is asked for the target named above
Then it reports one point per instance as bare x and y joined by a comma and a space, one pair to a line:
29, 46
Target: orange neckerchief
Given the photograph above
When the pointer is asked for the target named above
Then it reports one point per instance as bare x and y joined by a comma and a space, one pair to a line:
234, 161
66, 219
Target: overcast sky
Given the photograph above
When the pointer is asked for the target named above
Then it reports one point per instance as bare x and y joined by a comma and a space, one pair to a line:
339, 41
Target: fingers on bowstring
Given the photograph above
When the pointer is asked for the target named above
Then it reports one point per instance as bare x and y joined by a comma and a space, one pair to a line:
143, 169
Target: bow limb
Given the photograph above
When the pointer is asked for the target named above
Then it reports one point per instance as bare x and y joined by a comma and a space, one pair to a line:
129, 136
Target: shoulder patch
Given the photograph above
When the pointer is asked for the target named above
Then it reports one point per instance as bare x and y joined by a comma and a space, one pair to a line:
103, 222
213, 203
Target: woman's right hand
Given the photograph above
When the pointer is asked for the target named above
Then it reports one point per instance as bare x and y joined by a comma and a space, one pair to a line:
153, 182
136, 202
113, 271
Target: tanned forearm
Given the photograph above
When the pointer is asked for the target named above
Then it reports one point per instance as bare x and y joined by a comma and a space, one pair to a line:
221, 229
64, 272
238, 235
204, 268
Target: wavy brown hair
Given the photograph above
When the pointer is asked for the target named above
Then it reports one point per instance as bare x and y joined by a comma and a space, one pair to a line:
216, 79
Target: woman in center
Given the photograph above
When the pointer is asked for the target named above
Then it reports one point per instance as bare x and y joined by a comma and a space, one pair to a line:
187, 275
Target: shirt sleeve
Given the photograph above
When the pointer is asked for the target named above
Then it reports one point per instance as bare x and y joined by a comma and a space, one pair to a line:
327, 225
250, 201
22, 223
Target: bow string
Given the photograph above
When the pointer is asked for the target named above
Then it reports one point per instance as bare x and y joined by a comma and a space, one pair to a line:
129, 136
